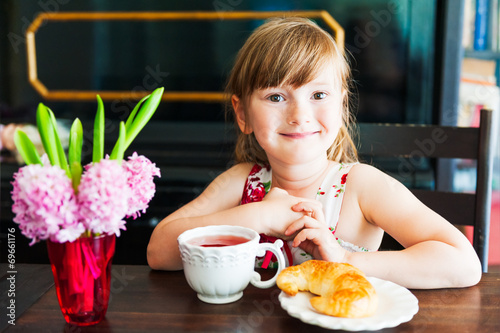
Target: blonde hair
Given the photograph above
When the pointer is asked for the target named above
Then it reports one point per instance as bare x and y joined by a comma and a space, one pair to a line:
288, 51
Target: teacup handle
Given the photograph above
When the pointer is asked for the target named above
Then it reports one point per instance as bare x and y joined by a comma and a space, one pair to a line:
261, 250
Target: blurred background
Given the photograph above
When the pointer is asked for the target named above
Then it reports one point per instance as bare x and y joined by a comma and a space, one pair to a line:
411, 61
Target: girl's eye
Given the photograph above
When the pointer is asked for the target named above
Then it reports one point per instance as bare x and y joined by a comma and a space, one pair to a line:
319, 95
276, 98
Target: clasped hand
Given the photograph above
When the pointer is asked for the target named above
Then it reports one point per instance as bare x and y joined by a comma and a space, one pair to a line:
302, 220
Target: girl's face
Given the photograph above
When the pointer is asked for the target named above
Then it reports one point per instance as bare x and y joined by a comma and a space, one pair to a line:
294, 125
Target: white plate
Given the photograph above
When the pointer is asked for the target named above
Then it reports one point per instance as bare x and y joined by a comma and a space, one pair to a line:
396, 305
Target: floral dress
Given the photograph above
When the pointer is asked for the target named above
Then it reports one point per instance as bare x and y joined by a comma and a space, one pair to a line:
330, 194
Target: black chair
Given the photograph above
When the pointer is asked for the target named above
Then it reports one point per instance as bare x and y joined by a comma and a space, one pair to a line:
411, 150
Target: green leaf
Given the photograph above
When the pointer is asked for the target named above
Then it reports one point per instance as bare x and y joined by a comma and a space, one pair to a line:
143, 116
118, 150
47, 134
98, 151
131, 117
26, 148
63, 163
75, 142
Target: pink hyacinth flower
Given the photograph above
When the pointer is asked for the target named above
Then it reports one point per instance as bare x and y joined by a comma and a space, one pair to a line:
45, 205
141, 172
103, 196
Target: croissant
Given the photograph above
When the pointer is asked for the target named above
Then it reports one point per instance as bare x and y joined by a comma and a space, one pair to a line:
343, 289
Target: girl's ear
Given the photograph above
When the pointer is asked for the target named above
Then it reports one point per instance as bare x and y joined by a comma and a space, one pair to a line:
239, 112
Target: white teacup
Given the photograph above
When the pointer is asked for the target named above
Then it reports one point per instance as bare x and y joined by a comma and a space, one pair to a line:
220, 272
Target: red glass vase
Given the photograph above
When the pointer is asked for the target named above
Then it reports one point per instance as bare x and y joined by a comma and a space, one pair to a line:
82, 275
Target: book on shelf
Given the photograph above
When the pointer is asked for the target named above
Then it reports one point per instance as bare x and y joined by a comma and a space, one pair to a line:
478, 90
481, 26
468, 25
479, 71
493, 27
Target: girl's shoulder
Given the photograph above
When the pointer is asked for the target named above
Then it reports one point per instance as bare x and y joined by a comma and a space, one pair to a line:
236, 174
364, 171
226, 187
369, 182
365, 177
232, 180
243, 168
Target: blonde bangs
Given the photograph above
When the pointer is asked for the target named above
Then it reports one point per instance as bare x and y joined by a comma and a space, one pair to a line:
274, 56
294, 59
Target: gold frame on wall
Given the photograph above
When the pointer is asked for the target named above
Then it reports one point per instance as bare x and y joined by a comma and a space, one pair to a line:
177, 96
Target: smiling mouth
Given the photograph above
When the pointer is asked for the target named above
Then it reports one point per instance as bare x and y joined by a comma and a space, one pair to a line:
299, 135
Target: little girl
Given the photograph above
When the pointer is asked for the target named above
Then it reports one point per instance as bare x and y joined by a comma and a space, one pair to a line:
298, 178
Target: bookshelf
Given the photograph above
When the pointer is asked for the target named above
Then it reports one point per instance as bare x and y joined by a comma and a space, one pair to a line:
486, 55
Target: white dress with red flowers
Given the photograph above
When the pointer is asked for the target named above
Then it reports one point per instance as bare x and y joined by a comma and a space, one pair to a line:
330, 194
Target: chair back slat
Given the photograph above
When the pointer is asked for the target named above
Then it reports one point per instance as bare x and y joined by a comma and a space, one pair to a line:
418, 140
452, 206
483, 188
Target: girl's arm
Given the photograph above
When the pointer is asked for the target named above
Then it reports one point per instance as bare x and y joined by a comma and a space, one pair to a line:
436, 253
219, 204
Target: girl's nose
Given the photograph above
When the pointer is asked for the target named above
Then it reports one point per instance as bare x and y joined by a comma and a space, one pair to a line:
298, 113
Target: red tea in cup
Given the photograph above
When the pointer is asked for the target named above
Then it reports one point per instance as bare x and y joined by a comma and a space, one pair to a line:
218, 240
